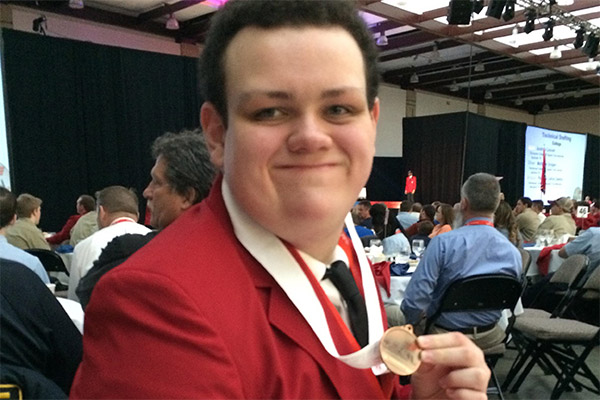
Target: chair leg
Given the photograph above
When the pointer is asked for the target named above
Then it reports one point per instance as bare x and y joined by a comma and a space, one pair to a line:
517, 365
496, 389
567, 377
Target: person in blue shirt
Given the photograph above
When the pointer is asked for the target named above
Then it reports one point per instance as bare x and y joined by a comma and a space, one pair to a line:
474, 248
8, 216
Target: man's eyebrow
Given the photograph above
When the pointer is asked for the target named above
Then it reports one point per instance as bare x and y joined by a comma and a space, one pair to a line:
340, 91
271, 94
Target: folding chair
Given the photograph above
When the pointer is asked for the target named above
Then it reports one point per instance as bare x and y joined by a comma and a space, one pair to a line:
570, 275
547, 339
526, 257
482, 293
50, 260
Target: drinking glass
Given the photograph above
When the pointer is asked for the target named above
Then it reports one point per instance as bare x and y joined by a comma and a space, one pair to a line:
418, 247
403, 255
375, 247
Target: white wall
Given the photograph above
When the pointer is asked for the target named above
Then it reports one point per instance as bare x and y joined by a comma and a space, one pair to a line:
579, 121
430, 104
389, 128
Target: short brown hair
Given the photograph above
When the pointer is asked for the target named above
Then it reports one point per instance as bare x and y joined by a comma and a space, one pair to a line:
117, 199
27, 204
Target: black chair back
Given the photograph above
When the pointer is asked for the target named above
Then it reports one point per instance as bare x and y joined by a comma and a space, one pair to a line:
479, 293
49, 259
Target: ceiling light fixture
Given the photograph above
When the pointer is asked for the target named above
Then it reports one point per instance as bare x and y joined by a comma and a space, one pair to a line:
477, 6
488, 95
548, 30
563, 3
578, 42
495, 8
39, 24
435, 53
172, 23
76, 4
509, 11
591, 46
549, 86
518, 101
382, 40
454, 87
578, 94
530, 23
479, 67
546, 107
555, 54
459, 12
414, 78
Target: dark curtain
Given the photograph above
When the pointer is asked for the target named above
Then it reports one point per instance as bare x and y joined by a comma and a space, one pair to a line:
386, 182
591, 170
82, 116
498, 148
434, 146
433, 150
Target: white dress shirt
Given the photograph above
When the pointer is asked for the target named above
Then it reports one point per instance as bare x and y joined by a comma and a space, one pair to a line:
87, 251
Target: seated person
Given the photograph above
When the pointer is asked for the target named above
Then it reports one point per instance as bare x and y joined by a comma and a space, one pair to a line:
24, 233
405, 217
424, 230
504, 222
560, 220
473, 249
383, 224
84, 204
8, 206
40, 348
445, 217
363, 210
538, 207
181, 177
427, 214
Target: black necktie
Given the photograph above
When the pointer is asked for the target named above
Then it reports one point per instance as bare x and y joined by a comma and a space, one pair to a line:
342, 279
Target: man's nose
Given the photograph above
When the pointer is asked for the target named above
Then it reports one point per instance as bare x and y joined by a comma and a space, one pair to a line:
309, 134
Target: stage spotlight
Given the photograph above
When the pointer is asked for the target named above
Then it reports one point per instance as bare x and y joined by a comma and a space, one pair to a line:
495, 8
459, 12
530, 23
477, 6
549, 30
579, 38
509, 11
591, 46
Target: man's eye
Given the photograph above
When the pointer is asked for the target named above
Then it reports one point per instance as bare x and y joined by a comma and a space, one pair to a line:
338, 110
267, 113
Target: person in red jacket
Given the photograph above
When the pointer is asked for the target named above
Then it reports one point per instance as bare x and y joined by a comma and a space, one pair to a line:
234, 298
85, 203
410, 187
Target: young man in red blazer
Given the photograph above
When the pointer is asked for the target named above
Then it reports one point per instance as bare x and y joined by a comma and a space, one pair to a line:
231, 299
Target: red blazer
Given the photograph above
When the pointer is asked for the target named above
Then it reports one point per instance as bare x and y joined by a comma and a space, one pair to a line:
411, 184
193, 315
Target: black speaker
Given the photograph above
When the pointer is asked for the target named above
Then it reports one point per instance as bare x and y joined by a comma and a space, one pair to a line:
459, 12
495, 8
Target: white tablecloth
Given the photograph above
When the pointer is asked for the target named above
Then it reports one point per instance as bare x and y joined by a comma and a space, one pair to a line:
555, 260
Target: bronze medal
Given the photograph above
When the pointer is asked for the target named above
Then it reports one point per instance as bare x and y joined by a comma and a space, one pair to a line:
399, 350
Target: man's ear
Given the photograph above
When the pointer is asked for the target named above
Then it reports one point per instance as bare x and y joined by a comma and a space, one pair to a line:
13, 220
214, 132
189, 198
464, 203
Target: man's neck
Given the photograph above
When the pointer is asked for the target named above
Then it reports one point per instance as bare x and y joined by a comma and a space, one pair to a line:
471, 214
